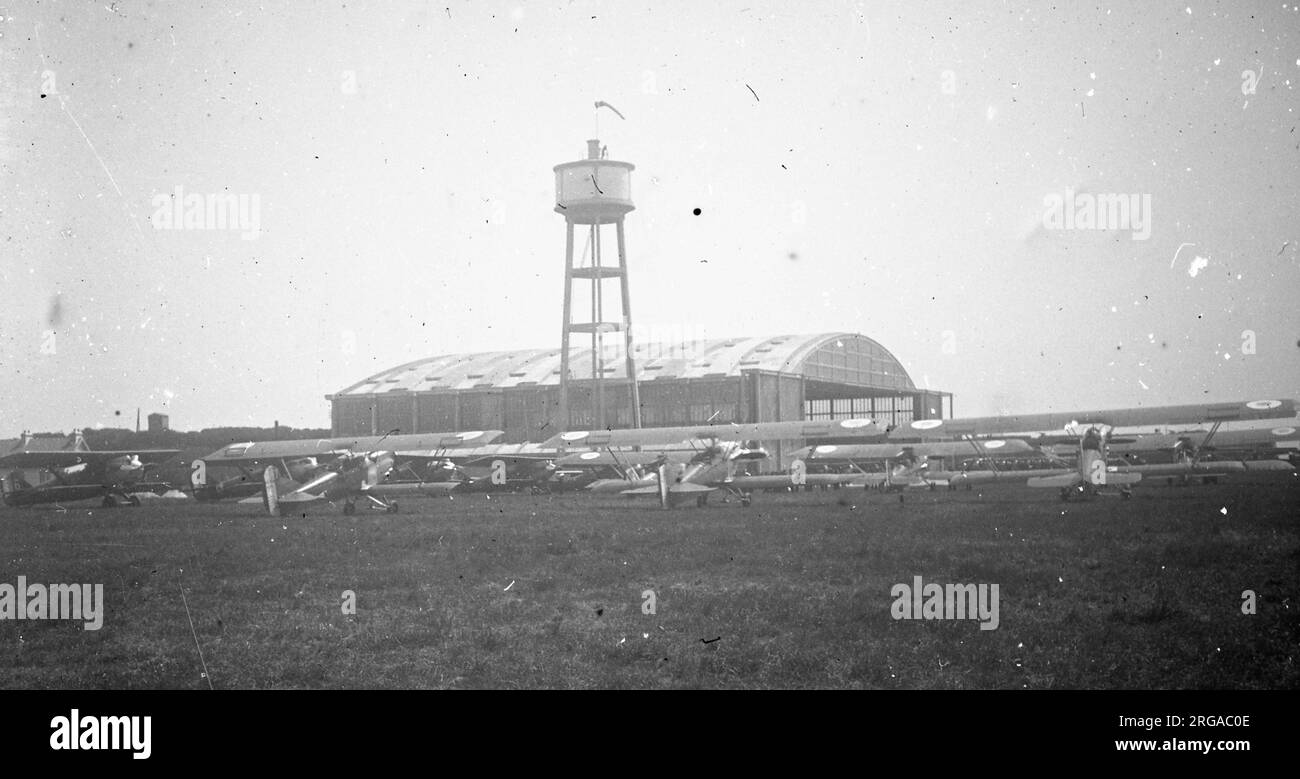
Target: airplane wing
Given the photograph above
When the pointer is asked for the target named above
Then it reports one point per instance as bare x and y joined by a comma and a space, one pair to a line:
397, 488
753, 431
262, 451
418, 442
623, 459
1123, 417
1175, 469
62, 459
245, 453
1278, 437
1071, 479
1059, 480
682, 488
511, 460
772, 481
857, 452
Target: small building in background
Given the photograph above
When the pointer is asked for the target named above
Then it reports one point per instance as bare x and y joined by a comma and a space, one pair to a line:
158, 423
40, 442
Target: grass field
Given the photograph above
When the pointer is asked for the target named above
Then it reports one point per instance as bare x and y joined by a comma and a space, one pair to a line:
547, 591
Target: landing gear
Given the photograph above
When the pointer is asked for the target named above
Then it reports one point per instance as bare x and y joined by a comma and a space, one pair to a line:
133, 500
1125, 494
109, 502
391, 508
350, 508
701, 500
1065, 494
746, 499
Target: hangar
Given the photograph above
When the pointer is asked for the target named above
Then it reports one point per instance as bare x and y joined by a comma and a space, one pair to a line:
714, 381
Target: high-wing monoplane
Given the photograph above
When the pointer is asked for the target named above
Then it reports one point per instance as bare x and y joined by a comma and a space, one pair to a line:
114, 477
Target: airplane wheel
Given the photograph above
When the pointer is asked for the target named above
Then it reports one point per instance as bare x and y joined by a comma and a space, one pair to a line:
135, 500
1065, 494
900, 497
109, 502
391, 508
1126, 494
745, 500
969, 487
700, 500
349, 508
932, 486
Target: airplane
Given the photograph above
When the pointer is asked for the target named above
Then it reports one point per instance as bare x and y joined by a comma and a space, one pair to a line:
1200, 455
911, 465
1091, 473
114, 477
507, 468
710, 467
700, 473
338, 468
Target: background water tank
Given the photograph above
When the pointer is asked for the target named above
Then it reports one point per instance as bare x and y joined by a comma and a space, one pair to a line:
593, 190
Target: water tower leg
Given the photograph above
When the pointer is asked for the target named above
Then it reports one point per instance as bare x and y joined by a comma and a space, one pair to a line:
597, 340
563, 421
627, 327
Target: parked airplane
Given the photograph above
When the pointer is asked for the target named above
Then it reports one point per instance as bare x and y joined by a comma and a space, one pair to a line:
912, 465
506, 468
719, 449
111, 476
338, 468
1091, 473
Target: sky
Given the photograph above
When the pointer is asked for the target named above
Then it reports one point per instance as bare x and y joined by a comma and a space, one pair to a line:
888, 169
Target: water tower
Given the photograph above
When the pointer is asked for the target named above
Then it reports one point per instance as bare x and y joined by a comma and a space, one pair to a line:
595, 192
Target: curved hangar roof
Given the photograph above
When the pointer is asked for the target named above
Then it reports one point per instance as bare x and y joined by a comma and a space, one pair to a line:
843, 358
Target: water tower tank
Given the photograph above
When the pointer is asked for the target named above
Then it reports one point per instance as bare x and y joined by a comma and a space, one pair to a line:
593, 190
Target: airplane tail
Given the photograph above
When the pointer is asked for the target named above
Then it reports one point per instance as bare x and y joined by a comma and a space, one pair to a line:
272, 493
662, 486
14, 482
1093, 466
10, 485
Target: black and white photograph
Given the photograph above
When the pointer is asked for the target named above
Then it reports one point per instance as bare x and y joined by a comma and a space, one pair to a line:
595, 345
